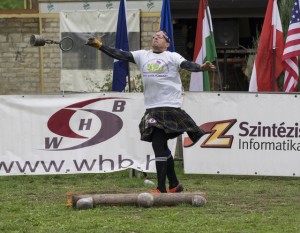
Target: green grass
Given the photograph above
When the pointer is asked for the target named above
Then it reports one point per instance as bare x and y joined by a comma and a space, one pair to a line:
236, 204
11, 4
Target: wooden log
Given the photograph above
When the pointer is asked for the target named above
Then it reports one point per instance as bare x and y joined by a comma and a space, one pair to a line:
172, 199
163, 199
108, 199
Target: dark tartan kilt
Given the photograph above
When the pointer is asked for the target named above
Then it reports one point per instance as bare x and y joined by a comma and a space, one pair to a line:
174, 121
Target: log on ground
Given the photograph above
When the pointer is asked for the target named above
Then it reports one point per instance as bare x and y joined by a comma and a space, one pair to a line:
108, 199
163, 199
172, 199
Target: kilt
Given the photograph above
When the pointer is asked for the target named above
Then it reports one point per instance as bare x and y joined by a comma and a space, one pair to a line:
174, 121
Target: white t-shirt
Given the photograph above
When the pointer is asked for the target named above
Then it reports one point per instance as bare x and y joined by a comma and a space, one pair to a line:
161, 80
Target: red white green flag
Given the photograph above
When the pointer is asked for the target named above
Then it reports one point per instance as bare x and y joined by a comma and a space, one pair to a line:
205, 49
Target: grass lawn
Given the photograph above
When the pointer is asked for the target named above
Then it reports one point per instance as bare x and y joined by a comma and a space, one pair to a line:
236, 204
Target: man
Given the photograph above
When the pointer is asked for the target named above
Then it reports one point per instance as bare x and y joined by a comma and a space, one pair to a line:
163, 119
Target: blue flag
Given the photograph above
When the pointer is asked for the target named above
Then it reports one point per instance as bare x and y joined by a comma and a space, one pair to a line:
121, 70
166, 22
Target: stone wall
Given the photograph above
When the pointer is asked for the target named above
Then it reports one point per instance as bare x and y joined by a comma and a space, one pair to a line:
52, 56
149, 25
19, 67
36, 70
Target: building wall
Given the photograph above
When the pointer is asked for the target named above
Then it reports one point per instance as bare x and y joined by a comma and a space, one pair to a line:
36, 70
16, 58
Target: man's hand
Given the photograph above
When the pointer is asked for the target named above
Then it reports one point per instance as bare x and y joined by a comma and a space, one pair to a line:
207, 66
94, 42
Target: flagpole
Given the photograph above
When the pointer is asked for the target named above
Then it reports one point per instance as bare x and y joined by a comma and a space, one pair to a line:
274, 69
212, 34
129, 85
274, 48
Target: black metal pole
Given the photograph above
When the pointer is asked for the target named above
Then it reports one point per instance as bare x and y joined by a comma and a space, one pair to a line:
129, 85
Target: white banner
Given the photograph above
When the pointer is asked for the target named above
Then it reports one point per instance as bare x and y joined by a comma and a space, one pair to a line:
83, 133
86, 69
56, 7
247, 134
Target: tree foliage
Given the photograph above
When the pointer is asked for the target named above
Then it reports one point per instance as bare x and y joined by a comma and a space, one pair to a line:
11, 4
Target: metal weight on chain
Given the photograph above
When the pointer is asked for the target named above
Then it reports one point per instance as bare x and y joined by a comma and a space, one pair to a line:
65, 44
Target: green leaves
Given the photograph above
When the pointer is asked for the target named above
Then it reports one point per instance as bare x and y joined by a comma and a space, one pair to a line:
11, 4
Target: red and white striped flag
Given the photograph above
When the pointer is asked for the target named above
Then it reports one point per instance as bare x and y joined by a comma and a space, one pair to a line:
292, 51
269, 52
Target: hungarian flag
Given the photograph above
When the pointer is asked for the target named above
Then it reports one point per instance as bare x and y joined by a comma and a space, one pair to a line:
267, 65
205, 49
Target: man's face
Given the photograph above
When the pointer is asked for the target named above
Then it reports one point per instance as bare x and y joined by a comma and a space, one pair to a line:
159, 42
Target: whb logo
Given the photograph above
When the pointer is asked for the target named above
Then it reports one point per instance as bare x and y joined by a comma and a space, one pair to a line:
108, 124
217, 134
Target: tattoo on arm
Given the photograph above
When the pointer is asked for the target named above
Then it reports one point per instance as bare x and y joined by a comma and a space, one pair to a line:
117, 53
